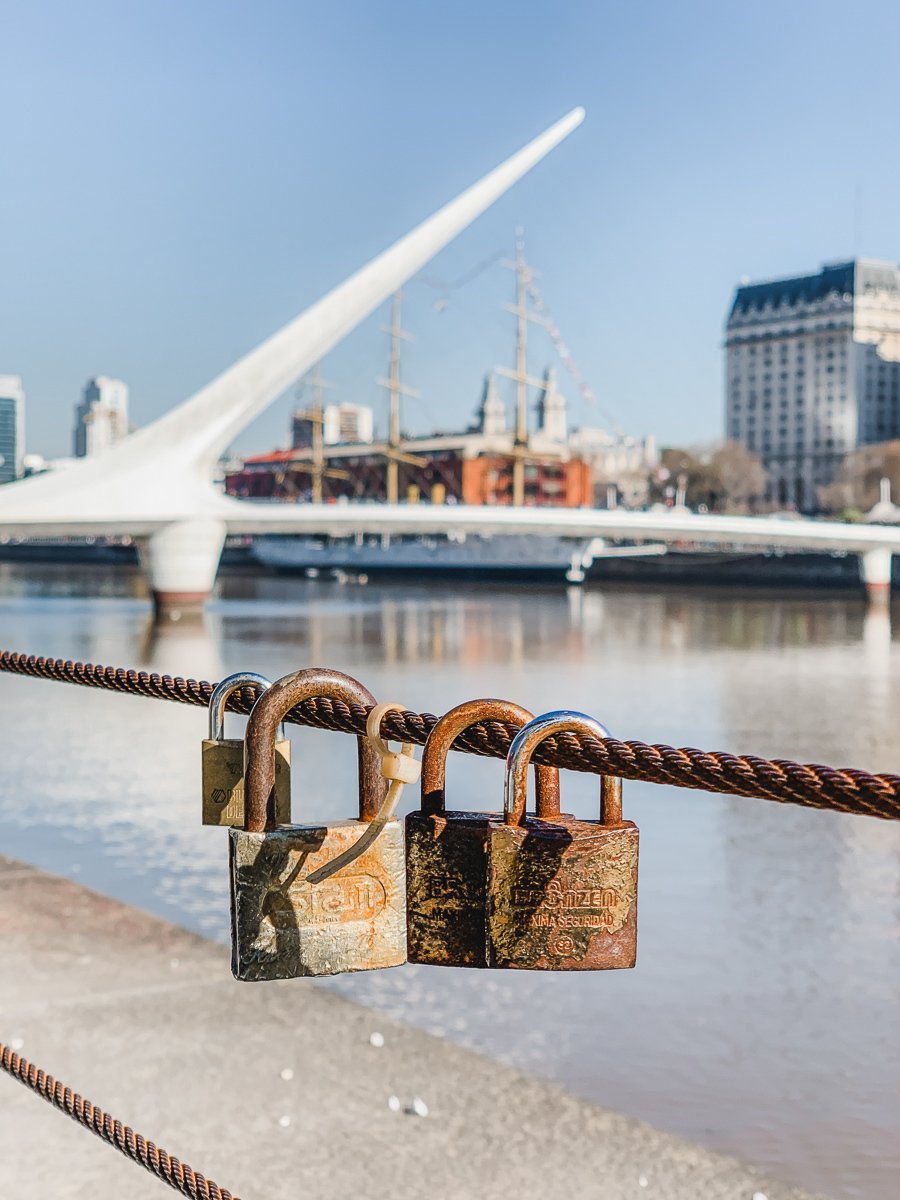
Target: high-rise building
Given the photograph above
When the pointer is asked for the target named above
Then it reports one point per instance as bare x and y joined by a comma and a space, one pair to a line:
302, 431
341, 424
813, 371
347, 423
101, 419
12, 427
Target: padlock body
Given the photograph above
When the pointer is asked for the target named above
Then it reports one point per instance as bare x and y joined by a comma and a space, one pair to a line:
283, 927
223, 782
446, 887
562, 895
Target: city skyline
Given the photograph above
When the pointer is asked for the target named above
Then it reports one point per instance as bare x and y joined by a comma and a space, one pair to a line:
341, 411
254, 179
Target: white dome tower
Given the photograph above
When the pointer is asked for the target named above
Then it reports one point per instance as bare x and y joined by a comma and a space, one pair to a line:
552, 409
492, 413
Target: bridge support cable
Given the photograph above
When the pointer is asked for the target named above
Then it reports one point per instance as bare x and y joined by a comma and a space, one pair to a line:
810, 785
172, 1171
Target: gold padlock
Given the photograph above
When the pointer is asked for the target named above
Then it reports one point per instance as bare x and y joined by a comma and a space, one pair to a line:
223, 760
282, 925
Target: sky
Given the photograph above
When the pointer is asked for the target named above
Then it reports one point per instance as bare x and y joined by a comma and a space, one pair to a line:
181, 179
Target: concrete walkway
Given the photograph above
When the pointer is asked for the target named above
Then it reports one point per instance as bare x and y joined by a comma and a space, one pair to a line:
145, 1020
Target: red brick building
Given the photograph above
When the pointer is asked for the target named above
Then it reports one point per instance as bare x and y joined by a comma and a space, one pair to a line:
470, 468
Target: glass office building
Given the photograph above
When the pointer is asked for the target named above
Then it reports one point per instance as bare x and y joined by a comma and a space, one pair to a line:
12, 427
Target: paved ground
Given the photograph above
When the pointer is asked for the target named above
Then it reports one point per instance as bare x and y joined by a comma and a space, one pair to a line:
146, 1021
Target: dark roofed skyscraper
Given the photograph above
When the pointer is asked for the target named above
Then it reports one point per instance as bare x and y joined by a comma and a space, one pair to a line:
813, 371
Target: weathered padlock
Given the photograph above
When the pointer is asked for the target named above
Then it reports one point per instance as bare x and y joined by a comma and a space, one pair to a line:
562, 894
223, 760
446, 852
282, 926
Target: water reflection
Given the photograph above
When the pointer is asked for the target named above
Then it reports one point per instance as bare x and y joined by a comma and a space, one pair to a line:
761, 1018
166, 647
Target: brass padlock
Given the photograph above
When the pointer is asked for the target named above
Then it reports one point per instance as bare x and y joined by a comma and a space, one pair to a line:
283, 926
446, 852
562, 894
223, 760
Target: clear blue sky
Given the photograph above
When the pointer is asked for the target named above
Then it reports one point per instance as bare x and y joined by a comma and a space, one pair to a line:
179, 179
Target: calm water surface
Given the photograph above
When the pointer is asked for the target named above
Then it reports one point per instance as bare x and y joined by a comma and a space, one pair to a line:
762, 1017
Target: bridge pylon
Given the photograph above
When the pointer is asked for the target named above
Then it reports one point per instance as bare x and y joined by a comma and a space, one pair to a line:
875, 569
156, 484
180, 562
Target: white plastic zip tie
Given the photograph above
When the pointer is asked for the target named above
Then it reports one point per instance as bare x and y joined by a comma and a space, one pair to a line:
400, 769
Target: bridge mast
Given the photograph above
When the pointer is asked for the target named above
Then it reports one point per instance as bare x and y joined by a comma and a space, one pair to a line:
156, 485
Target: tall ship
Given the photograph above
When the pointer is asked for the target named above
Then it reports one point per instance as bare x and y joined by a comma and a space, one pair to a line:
334, 458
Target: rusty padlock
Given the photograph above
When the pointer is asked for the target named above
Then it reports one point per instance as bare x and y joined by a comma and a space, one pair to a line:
562, 894
282, 926
446, 851
222, 760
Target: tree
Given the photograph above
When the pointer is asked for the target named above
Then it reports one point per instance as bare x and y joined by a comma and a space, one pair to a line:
723, 478
742, 477
856, 484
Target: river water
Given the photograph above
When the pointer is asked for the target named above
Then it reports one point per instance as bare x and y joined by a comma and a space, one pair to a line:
762, 1017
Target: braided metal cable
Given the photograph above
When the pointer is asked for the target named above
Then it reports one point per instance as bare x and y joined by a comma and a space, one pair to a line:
807, 784
153, 1158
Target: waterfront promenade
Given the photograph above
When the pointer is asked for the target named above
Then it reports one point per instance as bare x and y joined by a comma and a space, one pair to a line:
145, 1020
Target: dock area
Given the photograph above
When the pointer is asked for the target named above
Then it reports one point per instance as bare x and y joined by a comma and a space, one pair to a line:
275, 1090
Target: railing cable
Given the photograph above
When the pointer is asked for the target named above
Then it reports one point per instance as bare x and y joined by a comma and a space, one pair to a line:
808, 784
153, 1158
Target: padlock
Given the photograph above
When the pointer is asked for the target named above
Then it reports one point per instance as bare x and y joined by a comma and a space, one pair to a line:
283, 926
562, 894
446, 851
223, 760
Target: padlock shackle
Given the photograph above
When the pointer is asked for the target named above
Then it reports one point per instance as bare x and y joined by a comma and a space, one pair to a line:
527, 741
259, 742
221, 693
457, 721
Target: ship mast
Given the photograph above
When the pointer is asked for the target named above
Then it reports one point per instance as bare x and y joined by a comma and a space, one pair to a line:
393, 451
316, 417
521, 344
522, 379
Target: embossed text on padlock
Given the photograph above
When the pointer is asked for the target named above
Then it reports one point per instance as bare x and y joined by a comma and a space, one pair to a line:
283, 926
562, 894
446, 850
223, 760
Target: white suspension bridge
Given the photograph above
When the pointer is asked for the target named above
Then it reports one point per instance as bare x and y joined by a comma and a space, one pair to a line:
157, 485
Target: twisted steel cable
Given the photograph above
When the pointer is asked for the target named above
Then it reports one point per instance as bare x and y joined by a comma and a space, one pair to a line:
153, 1158
807, 784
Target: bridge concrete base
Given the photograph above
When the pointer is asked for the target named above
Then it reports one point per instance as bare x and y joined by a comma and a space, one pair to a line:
180, 562
875, 571
173, 606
